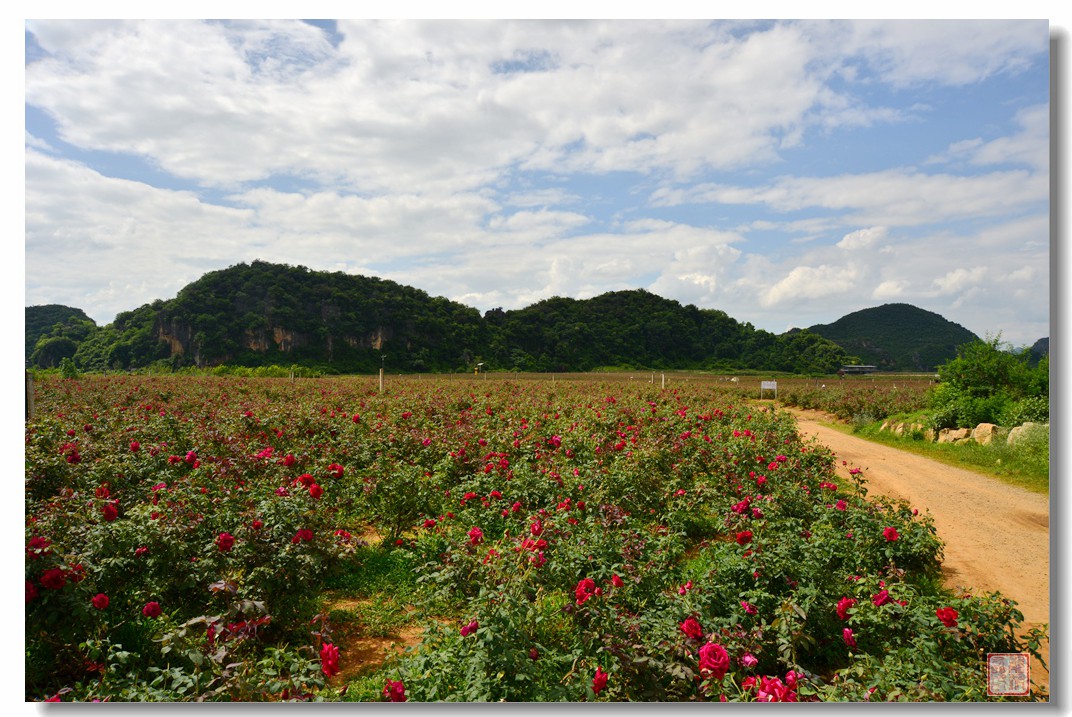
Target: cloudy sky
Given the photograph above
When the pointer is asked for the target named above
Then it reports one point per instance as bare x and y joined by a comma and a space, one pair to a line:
785, 172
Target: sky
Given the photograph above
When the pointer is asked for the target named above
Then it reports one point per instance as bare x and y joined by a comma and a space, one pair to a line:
785, 172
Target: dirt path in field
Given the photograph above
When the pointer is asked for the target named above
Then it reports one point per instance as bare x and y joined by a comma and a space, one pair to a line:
997, 536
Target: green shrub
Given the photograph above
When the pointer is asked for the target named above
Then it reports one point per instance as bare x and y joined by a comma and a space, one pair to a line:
1034, 409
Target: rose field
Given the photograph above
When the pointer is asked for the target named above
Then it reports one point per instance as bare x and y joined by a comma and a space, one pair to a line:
217, 538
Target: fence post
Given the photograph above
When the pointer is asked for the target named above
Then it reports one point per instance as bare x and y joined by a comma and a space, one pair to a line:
381, 379
29, 396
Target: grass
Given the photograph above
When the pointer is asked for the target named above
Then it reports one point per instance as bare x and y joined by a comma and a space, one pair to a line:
373, 594
1025, 465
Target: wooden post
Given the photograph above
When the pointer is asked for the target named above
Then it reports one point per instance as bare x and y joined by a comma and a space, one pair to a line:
29, 396
664, 380
381, 379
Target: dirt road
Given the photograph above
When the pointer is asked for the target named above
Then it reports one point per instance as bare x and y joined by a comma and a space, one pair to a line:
996, 536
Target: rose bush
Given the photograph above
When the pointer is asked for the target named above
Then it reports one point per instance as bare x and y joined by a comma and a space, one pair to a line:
580, 542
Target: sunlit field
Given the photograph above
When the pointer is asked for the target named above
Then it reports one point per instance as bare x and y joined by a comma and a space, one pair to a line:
620, 537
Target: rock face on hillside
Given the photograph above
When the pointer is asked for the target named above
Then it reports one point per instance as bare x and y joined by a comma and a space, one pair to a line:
897, 337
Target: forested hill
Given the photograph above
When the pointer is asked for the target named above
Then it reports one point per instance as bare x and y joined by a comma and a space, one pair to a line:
260, 314
897, 337
64, 328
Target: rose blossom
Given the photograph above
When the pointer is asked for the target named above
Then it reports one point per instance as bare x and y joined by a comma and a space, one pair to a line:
584, 590
394, 691
329, 659
53, 579
599, 681
224, 542
714, 661
692, 629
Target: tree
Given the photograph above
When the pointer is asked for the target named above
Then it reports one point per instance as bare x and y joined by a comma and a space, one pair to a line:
983, 368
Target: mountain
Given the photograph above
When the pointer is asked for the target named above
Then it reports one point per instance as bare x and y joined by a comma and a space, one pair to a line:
1039, 349
60, 327
262, 314
897, 337
638, 329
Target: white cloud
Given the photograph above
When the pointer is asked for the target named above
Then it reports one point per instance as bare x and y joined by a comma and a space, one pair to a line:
889, 290
952, 52
1029, 146
810, 282
959, 280
862, 238
895, 197
143, 242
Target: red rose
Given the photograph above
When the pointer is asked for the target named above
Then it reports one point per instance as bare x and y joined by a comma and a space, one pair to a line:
109, 511
316, 491
744, 537
947, 615
31, 591
691, 628
100, 601
151, 609
881, 598
394, 691
599, 681
890, 534
53, 579
584, 590
476, 535
329, 659
843, 607
714, 661
38, 546
225, 541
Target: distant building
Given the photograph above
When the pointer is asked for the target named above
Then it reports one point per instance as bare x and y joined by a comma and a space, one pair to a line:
857, 369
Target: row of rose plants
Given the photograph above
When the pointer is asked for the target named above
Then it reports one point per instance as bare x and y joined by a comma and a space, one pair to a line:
861, 400
578, 541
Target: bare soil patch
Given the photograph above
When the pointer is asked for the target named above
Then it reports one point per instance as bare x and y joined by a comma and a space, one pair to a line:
997, 536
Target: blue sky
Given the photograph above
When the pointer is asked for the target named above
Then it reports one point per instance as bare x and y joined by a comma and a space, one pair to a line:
786, 172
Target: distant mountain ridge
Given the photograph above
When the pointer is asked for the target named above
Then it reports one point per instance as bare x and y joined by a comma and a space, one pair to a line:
897, 337
263, 314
